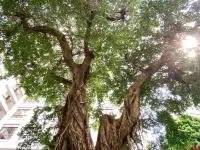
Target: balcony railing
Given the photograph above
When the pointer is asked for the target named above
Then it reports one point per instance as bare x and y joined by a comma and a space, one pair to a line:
21, 113
18, 92
9, 101
7, 132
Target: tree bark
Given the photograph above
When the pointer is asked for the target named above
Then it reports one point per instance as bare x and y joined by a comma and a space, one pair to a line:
74, 131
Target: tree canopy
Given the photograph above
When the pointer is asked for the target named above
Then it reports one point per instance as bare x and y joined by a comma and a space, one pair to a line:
77, 54
182, 133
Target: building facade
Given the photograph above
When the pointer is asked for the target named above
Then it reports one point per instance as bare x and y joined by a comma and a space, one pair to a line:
15, 111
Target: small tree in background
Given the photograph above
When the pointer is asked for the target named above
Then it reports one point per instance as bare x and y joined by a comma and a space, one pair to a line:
184, 133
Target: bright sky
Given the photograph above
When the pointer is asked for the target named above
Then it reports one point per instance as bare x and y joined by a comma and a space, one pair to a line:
189, 44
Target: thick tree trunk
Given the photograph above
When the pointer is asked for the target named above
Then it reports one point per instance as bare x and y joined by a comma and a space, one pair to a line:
74, 132
115, 133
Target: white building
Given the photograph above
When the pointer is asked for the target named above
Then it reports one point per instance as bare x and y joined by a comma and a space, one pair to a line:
15, 111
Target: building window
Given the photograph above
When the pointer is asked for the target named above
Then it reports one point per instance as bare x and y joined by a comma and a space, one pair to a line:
7, 132
18, 91
21, 113
2, 111
7, 97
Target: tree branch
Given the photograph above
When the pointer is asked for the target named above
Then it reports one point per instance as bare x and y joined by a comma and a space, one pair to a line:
131, 109
122, 13
63, 80
88, 31
66, 51
191, 77
175, 73
153, 68
88, 54
25, 69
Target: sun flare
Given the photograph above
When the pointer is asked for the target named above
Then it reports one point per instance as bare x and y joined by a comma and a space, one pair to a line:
189, 44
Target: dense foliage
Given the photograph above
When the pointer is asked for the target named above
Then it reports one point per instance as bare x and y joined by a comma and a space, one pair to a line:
182, 133
40, 128
124, 45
